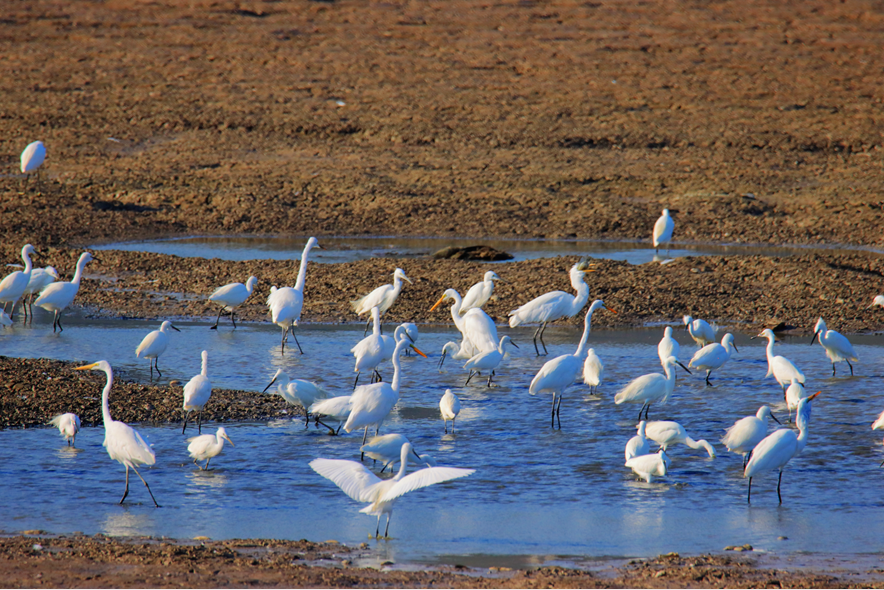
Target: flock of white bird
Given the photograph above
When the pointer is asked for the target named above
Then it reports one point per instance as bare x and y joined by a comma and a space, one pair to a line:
483, 352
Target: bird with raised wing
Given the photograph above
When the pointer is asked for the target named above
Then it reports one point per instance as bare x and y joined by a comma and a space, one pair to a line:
68, 426
388, 448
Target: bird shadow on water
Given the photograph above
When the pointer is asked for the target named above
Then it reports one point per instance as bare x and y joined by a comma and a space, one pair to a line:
68, 452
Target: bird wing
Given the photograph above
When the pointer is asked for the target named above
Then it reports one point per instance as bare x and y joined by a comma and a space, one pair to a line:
197, 391
338, 407
772, 452
352, 477
365, 303
636, 386
475, 297
592, 370
879, 423
542, 308
704, 355
221, 292
147, 343
479, 328
124, 444
556, 374
423, 478
49, 291
11, 279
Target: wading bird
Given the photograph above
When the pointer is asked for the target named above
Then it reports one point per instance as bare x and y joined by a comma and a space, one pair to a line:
480, 293
650, 388
838, 348
207, 446
782, 369
747, 432
57, 296
638, 444
700, 330
593, 370
713, 356
231, 296
388, 448
794, 394
32, 157
663, 231
449, 405
68, 426
667, 433
13, 285
154, 344
40, 279
196, 394
668, 346
336, 408
488, 361
477, 329
285, 303
297, 392
383, 297
649, 466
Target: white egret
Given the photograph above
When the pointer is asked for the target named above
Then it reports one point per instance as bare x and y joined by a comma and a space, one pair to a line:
478, 331
649, 466
337, 408
68, 426
364, 486
297, 392
554, 305
456, 352
449, 405
877, 424
479, 294
207, 446
663, 231
667, 433
593, 370
747, 432
231, 296
5, 320
13, 285
639, 444
388, 448
57, 296
40, 279
668, 346
412, 331
713, 356
197, 393
32, 157
650, 388
779, 447
286, 303
383, 297
700, 330
154, 344
878, 300
794, 394
782, 369
488, 361
376, 348
559, 373
838, 348
123, 443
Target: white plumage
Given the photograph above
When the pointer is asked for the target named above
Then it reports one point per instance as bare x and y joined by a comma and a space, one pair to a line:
663, 230
477, 329
747, 432
449, 405
32, 157
297, 392
197, 392
154, 344
782, 369
207, 446
488, 361
337, 408
479, 294
593, 369
668, 346
231, 296
713, 356
667, 433
40, 279
68, 426
650, 388
388, 448
649, 466
383, 297
286, 303
57, 296
700, 330
13, 285
638, 444
838, 348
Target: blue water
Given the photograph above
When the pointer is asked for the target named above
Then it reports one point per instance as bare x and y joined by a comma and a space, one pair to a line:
541, 494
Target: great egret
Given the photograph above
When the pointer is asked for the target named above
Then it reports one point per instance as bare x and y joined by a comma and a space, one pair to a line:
713, 356
337, 408
387, 449
593, 369
196, 394
700, 330
747, 432
40, 279
297, 392
782, 369
639, 444
663, 231
68, 426
480, 293
668, 346
667, 433
285, 303
383, 297
32, 157
649, 466
488, 361
231, 296
123, 443
154, 344
650, 388
57, 296
554, 305
207, 446
778, 448
838, 348
13, 285
364, 486
449, 405
559, 373
794, 394
478, 331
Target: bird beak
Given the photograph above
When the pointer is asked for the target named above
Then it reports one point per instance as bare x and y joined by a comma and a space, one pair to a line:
86, 367
414, 348
413, 452
684, 367
174, 328
775, 418
814, 395
735, 347
225, 437
407, 279
514, 344
611, 310
815, 335
442, 360
268, 385
438, 303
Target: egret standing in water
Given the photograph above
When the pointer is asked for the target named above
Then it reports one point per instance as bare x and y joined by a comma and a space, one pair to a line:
638, 444
383, 297
13, 285
297, 392
488, 361
40, 279
207, 446
700, 331
480, 293
57, 296
196, 394
838, 348
667, 433
449, 405
794, 394
68, 426
286, 303
747, 432
663, 231
782, 369
154, 344
478, 331
231, 296
123, 443
337, 408
388, 450
713, 356
364, 486
668, 346
593, 370
649, 466
650, 388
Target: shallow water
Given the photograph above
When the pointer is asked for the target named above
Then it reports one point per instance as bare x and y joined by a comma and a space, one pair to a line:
344, 249
539, 495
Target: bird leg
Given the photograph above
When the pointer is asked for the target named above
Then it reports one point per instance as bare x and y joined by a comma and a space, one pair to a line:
647, 408
206, 468
126, 493
542, 330
285, 332
292, 328
58, 321
387, 529
851, 368
362, 456
779, 481
356, 381
749, 495
233, 318
707, 378
536, 332
491, 376
186, 416
553, 414
199, 421
331, 430
470, 377
833, 369
444, 421
558, 411
145, 484
218, 319
156, 363
452, 424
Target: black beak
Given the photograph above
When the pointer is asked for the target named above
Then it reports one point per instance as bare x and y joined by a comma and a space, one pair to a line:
514, 344
775, 418
735, 347
815, 336
174, 328
442, 360
268, 385
684, 367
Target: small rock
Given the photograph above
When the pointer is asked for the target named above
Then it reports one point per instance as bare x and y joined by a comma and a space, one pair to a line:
201, 538
486, 253
782, 538
387, 563
345, 562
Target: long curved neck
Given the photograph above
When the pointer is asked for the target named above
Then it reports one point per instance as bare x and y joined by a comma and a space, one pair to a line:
582, 295
205, 371
500, 346
669, 369
455, 311
376, 324
28, 264
403, 469
78, 274
397, 372
581, 348
105, 405
770, 353
302, 271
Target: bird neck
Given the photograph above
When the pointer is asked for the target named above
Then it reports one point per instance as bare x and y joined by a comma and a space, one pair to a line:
205, 370
302, 270
105, 394
78, 274
582, 295
455, 311
397, 372
28, 264
403, 469
376, 324
581, 347
770, 341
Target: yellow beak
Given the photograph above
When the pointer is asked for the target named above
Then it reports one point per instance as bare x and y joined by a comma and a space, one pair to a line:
86, 367
438, 303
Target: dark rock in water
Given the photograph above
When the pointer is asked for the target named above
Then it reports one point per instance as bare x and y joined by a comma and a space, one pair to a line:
486, 253
781, 327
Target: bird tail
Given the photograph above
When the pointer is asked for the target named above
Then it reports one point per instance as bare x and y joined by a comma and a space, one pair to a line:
515, 320
55, 420
356, 305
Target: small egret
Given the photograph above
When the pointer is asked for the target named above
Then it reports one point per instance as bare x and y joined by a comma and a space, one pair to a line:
478, 331
383, 297
480, 293
593, 370
376, 348
878, 300
650, 388
286, 303
337, 408
32, 157
794, 394
782, 369
554, 305
123, 443
838, 348
57, 296
297, 392
638, 444
747, 432
13, 285
154, 344
196, 394
207, 446
488, 361
456, 352
713, 356
648, 466
663, 231
700, 330
412, 331
68, 426
779, 447
449, 405
388, 448
668, 346
231, 296
40, 279
364, 486
667, 433
558, 374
